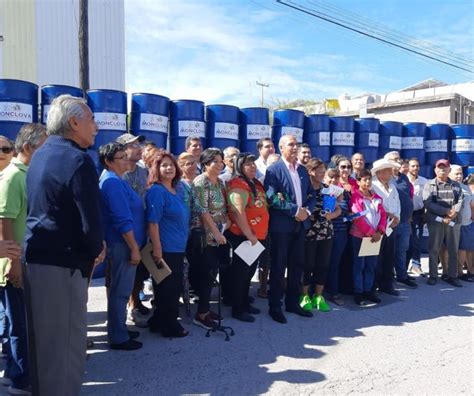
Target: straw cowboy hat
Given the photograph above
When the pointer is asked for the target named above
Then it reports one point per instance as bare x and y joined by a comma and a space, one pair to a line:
383, 164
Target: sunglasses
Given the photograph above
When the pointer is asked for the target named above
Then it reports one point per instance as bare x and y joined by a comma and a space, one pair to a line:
345, 166
6, 150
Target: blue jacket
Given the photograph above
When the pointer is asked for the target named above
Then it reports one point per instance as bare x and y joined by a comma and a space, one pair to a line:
64, 222
282, 212
123, 209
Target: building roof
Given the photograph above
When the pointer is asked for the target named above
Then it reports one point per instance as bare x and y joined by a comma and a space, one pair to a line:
429, 83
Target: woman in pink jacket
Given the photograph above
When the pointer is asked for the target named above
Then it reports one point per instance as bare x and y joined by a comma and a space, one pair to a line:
371, 224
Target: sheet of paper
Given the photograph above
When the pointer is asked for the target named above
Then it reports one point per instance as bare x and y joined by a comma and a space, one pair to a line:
388, 231
369, 248
249, 253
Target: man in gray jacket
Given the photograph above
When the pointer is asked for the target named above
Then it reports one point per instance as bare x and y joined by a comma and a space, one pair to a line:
443, 199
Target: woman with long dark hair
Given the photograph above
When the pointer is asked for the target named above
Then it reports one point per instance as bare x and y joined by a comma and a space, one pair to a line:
168, 225
249, 222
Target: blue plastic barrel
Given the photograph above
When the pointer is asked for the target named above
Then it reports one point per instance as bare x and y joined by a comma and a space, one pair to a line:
149, 117
18, 106
254, 125
287, 122
186, 119
390, 137
367, 138
413, 141
49, 92
436, 142
427, 171
462, 144
222, 126
318, 135
469, 170
110, 112
342, 135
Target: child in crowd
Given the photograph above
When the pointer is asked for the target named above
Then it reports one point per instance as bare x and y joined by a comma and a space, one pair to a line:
371, 224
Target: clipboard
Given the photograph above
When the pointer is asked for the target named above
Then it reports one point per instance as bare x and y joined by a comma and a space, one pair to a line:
158, 271
369, 248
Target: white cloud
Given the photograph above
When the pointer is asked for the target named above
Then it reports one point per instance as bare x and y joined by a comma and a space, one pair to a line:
215, 52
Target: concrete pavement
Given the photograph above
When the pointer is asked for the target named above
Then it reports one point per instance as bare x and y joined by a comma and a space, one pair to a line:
418, 343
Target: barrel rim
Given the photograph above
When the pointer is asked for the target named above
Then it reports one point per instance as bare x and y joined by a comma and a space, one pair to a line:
17, 80
150, 94
254, 108
187, 100
105, 90
61, 85
220, 104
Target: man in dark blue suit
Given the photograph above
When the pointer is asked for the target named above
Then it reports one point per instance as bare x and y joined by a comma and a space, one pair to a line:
291, 200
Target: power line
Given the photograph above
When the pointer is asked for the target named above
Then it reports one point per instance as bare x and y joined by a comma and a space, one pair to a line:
345, 25
357, 19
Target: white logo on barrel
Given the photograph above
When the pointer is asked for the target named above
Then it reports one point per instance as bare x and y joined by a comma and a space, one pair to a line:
255, 132
154, 122
436, 146
294, 131
343, 138
373, 140
19, 112
413, 143
225, 130
462, 145
324, 138
191, 128
111, 121
395, 143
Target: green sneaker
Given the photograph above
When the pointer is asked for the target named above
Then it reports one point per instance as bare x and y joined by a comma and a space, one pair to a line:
305, 303
319, 303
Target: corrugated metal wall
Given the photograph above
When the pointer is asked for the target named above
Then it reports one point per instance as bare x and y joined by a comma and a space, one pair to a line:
41, 42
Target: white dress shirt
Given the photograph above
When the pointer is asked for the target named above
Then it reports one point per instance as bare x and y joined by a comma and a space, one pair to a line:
391, 201
418, 186
295, 180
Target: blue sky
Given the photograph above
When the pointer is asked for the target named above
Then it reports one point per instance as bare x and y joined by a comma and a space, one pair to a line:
215, 50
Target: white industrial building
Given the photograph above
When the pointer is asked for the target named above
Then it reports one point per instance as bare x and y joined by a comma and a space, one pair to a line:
429, 101
39, 42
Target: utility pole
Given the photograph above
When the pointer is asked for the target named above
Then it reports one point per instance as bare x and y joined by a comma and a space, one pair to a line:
84, 44
262, 85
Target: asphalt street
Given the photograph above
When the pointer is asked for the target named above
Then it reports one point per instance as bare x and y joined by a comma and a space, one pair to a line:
418, 343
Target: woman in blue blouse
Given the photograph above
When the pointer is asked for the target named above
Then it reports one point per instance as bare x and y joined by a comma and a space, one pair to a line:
124, 218
167, 215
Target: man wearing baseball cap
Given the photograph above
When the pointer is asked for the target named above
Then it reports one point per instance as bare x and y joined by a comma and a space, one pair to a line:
443, 200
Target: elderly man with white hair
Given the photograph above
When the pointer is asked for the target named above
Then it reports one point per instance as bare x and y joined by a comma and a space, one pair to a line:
64, 239
383, 185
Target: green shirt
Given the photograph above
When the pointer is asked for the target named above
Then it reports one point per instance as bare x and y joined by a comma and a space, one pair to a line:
13, 204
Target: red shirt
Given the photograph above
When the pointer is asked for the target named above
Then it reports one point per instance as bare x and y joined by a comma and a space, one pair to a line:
255, 209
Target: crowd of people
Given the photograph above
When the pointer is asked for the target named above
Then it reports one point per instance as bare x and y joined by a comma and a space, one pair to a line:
192, 211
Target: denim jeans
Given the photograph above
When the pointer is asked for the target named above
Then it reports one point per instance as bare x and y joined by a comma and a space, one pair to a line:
414, 251
120, 278
401, 248
363, 268
339, 243
17, 358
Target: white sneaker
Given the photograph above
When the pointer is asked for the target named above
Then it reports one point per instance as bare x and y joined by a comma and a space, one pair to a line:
135, 318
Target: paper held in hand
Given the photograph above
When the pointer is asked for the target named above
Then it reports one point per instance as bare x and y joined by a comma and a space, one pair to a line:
158, 271
369, 248
248, 252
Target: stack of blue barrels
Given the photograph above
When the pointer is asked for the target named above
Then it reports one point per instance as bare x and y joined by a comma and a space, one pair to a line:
149, 117
18, 106
49, 92
342, 135
254, 125
390, 137
318, 135
367, 138
186, 119
222, 126
287, 122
